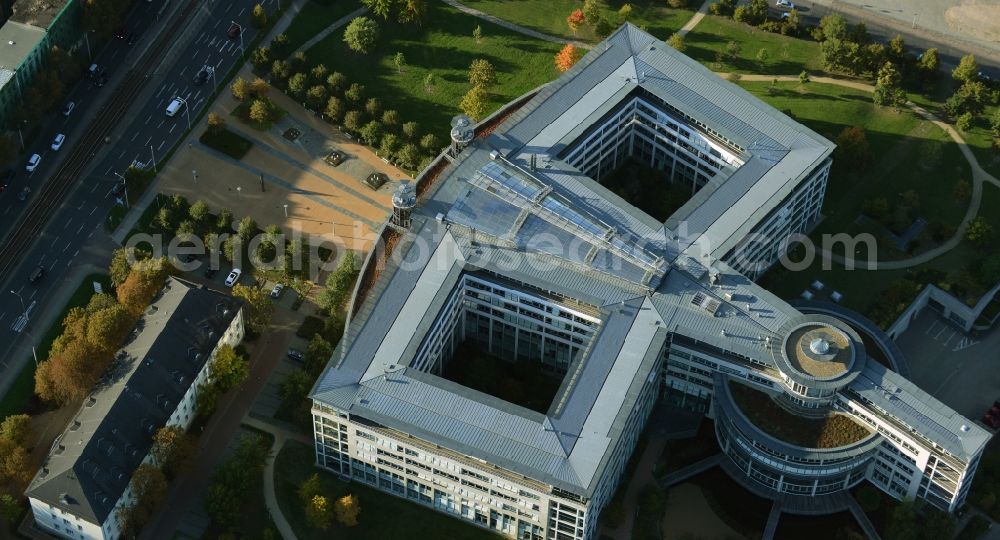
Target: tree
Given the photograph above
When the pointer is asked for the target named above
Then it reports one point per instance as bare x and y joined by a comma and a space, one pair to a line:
995, 123
355, 92
139, 287
259, 88
897, 49
246, 229
224, 221
803, 77
334, 108
316, 96
677, 42
430, 142
198, 211
216, 123
964, 121
677, 4
149, 488
566, 57
381, 8
852, 148
318, 353
762, 58
474, 102
16, 428
373, 107
336, 82
980, 232
260, 57
412, 11
967, 70
297, 85
280, 41
477, 33
185, 228
408, 156
206, 399
371, 132
258, 306
888, 92
228, 369
240, 89
399, 60
361, 34
834, 26
482, 73
173, 449
625, 12
591, 11
429, 81
120, 266
294, 393
107, 328
970, 97
319, 514
348, 508
575, 20
412, 129
258, 17
352, 120
603, 28
339, 283
281, 70
259, 111
388, 145
928, 62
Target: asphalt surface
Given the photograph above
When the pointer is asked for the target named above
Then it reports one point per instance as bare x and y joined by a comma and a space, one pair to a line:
146, 131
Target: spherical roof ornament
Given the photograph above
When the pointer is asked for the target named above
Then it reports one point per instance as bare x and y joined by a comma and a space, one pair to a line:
819, 346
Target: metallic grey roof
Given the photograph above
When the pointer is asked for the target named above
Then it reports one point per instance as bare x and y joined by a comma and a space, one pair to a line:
92, 461
485, 214
25, 38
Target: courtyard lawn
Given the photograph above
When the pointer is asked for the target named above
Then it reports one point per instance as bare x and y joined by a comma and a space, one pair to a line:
314, 17
980, 139
549, 16
901, 144
786, 55
444, 46
383, 516
523, 383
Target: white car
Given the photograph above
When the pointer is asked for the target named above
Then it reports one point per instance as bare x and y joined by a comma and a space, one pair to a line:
33, 162
58, 141
785, 4
276, 291
233, 277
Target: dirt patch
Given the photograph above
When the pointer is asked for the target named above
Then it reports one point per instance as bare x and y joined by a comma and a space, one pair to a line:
977, 18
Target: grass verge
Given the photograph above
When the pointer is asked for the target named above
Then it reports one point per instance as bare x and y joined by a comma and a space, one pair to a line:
313, 18
294, 464
232, 144
786, 55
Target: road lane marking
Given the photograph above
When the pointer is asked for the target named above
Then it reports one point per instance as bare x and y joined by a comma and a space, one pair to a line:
952, 336
240, 14
161, 144
2, 315
222, 47
92, 210
80, 230
134, 135
172, 128
182, 71
75, 254
53, 265
33, 293
68, 221
68, 244
40, 260
931, 327
20, 289
158, 126
195, 55
91, 234
217, 23
219, 63
149, 140
121, 155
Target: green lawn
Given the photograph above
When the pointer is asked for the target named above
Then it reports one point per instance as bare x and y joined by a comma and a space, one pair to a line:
898, 142
443, 46
314, 17
786, 55
18, 398
980, 139
230, 143
549, 16
383, 516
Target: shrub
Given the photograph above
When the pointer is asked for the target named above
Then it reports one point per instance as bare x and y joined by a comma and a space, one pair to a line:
361, 34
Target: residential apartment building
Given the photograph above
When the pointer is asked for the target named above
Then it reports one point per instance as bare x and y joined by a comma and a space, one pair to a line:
514, 249
153, 382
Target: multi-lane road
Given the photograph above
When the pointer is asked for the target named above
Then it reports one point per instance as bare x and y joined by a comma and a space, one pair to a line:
72, 207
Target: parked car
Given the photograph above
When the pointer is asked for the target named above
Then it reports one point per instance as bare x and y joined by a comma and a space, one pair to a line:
68, 108
58, 141
276, 291
785, 4
233, 277
5, 178
296, 356
120, 34
334, 158
102, 79
36, 275
33, 162
234, 31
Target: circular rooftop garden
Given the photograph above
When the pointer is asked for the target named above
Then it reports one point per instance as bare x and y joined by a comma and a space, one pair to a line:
832, 431
819, 350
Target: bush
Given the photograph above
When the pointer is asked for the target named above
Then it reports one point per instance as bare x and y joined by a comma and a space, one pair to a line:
227, 142
310, 327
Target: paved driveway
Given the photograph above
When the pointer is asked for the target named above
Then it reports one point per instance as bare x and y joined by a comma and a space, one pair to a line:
959, 370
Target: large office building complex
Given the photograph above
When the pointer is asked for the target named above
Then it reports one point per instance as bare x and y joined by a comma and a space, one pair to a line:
153, 382
510, 247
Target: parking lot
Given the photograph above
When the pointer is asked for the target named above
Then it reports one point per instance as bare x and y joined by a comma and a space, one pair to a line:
956, 368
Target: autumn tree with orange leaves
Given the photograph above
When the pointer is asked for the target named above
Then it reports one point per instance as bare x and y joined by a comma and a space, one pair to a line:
575, 20
566, 57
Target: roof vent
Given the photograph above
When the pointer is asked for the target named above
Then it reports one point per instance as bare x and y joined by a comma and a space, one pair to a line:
965, 428
11, 42
75, 426
91, 401
64, 498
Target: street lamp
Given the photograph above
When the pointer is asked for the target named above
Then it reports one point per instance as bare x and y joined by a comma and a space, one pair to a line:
194, 173
125, 186
286, 210
153, 157
240, 26
239, 191
24, 312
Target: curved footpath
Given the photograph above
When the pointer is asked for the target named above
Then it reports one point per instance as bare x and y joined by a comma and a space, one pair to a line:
979, 176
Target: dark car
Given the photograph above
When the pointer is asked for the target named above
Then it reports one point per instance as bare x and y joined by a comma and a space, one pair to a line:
102, 79
120, 34
5, 178
376, 180
234, 31
203, 74
991, 421
334, 158
296, 356
36, 275
210, 272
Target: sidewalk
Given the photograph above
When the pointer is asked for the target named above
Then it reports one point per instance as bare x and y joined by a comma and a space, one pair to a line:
271, 500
